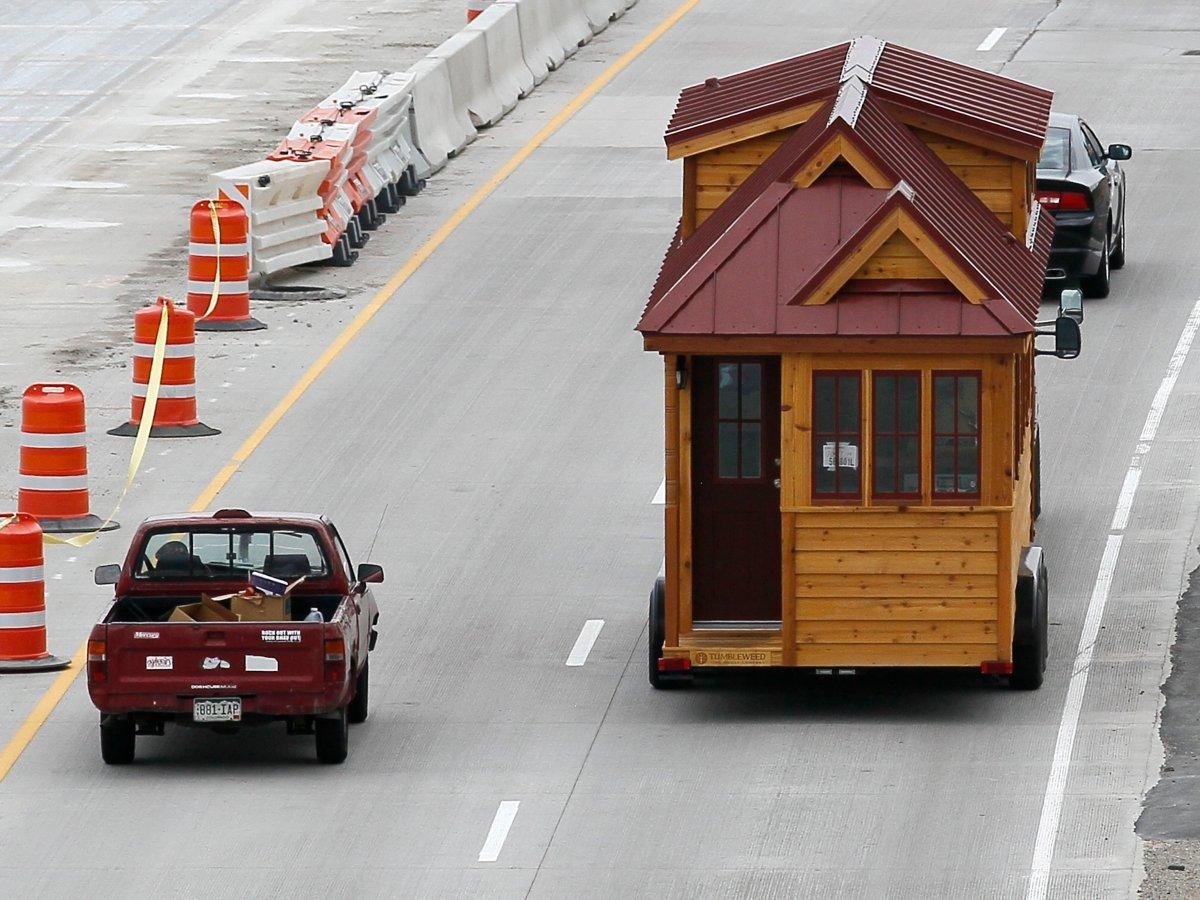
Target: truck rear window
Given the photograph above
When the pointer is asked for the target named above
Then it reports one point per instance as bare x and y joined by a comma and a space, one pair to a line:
230, 553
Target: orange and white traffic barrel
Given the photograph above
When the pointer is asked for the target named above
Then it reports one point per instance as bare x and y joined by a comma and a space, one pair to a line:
175, 413
475, 7
219, 267
53, 480
23, 597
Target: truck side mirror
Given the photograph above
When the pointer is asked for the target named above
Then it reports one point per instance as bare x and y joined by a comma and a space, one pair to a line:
1067, 339
1071, 305
1119, 151
369, 573
109, 574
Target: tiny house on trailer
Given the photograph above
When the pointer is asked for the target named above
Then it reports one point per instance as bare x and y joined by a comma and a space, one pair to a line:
847, 316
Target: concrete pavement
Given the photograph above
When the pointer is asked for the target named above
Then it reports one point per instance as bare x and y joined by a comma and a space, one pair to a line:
493, 438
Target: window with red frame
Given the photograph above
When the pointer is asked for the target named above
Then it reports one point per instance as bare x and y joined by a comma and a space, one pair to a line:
896, 437
956, 435
837, 435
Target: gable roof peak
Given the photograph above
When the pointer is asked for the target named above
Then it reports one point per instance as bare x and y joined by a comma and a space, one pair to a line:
862, 57
850, 98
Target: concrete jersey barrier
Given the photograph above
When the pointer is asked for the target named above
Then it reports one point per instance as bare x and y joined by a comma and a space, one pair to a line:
283, 200
471, 87
601, 12
570, 24
508, 72
439, 131
539, 44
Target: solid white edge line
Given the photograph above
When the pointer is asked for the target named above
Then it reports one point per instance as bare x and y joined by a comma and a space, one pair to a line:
1064, 745
583, 643
660, 496
505, 814
990, 41
1056, 787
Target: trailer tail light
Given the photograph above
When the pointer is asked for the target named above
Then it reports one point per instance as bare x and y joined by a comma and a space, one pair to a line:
97, 661
674, 664
335, 659
996, 667
1068, 201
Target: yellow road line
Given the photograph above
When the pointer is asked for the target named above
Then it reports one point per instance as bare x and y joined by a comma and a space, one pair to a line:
49, 700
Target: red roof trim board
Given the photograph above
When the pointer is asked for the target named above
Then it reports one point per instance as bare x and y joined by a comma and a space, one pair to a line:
984, 102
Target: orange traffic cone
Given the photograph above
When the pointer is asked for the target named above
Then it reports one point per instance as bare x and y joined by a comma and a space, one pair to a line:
53, 476
175, 413
23, 598
219, 259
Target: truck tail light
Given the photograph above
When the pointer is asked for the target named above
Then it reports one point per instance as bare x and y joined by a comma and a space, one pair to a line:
1068, 201
335, 659
97, 661
674, 664
996, 667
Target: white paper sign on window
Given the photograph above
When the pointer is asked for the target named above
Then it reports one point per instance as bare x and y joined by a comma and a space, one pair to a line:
848, 456
829, 456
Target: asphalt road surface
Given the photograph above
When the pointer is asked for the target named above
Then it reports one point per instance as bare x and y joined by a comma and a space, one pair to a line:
493, 438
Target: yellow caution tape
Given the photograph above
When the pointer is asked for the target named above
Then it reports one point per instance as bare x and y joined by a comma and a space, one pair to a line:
216, 288
140, 442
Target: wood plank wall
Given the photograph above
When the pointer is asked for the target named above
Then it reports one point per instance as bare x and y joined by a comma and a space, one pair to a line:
719, 172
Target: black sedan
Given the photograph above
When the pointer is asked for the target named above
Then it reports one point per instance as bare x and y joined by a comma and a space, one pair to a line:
1082, 184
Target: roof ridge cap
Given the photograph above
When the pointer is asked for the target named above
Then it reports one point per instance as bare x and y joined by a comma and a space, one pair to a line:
849, 102
861, 58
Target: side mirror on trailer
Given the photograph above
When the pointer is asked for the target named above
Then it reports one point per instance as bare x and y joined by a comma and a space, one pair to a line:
1067, 339
109, 574
1071, 305
369, 573
1119, 152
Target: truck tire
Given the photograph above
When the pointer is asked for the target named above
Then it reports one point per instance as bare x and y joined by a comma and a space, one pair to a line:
118, 742
1031, 631
333, 738
358, 706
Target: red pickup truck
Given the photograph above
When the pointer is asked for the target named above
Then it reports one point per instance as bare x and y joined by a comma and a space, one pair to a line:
148, 665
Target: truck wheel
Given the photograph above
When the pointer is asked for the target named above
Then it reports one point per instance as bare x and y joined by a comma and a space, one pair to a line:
358, 706
118, 741
333, 738
1031, 632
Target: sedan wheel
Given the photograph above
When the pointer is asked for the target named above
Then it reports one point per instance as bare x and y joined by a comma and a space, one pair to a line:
1097, 285
1116, 259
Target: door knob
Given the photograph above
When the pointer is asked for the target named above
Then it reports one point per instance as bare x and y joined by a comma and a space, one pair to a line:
777, 484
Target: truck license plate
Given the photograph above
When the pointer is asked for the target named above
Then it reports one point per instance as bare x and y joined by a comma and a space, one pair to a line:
217, 710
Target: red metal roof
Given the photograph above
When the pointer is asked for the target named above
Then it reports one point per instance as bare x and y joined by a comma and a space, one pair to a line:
977, 100
714, 282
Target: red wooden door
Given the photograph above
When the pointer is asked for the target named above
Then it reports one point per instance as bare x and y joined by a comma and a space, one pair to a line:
735, 489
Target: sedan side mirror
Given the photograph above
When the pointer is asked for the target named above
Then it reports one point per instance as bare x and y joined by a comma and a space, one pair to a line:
109, 574
369, 573
1119, 151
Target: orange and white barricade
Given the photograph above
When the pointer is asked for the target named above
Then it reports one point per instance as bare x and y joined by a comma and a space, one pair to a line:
23, 597
364, 182
475, 7
53, 479
311, 141
175, 414
219, 266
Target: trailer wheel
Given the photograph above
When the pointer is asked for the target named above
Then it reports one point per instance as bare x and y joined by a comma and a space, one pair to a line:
358, 706
118, 742
333, 738
656, 635
1031, 631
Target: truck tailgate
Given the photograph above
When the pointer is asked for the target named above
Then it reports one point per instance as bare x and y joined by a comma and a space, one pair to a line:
242, 658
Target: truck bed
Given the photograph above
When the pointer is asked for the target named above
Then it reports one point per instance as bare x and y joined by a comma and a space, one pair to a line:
145, 609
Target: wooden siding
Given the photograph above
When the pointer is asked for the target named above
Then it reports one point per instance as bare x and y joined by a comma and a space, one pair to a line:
898, 258
999, 180
897, 587
719, 172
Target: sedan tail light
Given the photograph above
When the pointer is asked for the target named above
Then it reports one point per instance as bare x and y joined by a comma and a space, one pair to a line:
1074, 201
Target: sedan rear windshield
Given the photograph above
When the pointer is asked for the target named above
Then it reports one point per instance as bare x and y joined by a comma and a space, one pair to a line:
1056, 152
230, 553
